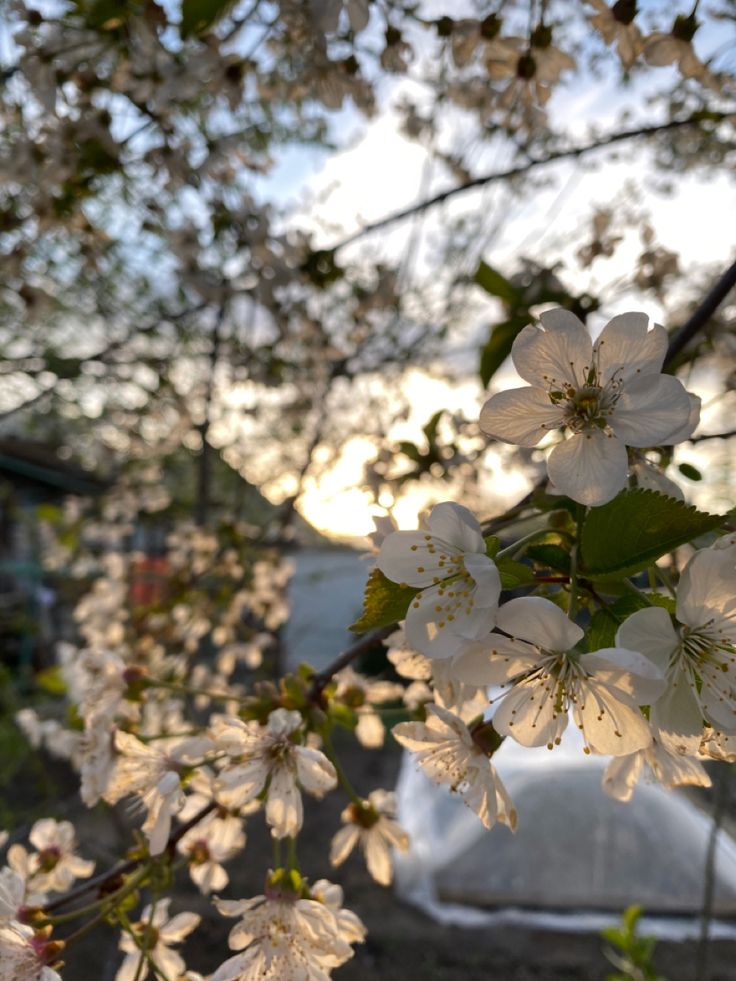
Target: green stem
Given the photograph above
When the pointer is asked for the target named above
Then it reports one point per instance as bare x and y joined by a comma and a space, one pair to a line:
291, 856
517, 548
579, 519
345, 783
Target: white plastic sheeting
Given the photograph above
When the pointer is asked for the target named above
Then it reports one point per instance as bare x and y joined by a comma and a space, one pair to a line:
576, 854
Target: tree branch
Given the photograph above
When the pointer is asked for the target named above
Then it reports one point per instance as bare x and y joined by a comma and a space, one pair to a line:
578, 151
703, 313
355, 650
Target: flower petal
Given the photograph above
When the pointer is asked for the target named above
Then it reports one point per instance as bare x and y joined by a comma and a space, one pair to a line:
561, 353
411, 557
626, 348
650, 410
316, 773
457, 526
707, 588
487, 579
520, 415
650, 632
538, 621
590, 468
343, 843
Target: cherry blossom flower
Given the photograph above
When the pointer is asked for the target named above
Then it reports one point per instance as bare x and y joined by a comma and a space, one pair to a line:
282, 934
607, 395
698, 655
372, 825
449, 754
154, 935
460, 585
54, 865
27, 956
360, 693
675, 47
155, 776
270, 758
670, 769
544, 679
616, 26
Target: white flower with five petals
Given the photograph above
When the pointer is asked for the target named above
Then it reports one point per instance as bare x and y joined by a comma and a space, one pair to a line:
607, 396
448, 753
371, 824
268, 756
155, 933
698, 655
460, 585
542, 679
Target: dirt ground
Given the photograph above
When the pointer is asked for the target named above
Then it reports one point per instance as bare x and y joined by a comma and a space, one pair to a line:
402, 944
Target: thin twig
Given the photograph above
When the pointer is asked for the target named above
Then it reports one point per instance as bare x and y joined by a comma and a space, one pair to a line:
523, 168
123, 868
355, 650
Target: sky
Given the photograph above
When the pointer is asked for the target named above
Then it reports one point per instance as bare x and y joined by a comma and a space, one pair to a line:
381, 171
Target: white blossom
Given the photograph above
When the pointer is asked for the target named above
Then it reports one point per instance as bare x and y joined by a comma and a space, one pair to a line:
372, 825
284, 935
54, 865
607, 395
698, 655
155, 776
447, 752
156, 933
542, 678
670, 769
269, 758
459, 584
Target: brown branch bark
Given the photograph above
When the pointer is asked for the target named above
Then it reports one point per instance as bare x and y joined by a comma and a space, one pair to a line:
700, 317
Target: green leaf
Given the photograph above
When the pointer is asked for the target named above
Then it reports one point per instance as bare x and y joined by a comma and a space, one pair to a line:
198, 15
605, 622
498, 347
553, 556
636, 528
494, 283
492, 546
384, 602
514, 574
50, 680
689, 471
430, 430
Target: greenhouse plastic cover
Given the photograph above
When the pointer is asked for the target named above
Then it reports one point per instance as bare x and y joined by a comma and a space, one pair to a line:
577, 859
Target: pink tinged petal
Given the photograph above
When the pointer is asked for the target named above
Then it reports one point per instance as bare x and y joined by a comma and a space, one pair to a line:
560, 354
487, 580
457, 526
522, 416
493, 661
649, 410
650, 632
315, 772
377, 858
622, 775
540, 622
405, 557
528, 714
636, 679
707, 588
677, 718
178, 927
627, 349
591, 467
343, 843
610, 727
284, 812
